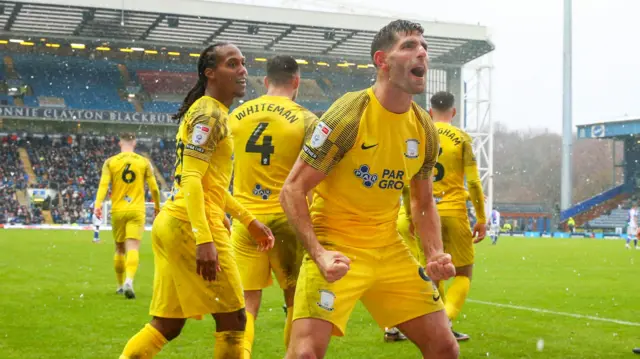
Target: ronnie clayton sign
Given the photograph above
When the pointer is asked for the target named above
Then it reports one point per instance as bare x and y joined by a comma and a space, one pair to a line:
61, 114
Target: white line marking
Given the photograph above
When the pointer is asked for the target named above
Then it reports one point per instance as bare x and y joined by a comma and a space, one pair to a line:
538, 310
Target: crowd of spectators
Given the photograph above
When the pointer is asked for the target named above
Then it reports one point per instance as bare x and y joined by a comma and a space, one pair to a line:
13, 178
70, 165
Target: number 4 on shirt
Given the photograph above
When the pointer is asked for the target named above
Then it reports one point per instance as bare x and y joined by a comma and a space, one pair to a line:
266, 149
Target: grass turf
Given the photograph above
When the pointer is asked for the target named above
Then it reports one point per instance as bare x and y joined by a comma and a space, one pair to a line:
57, 300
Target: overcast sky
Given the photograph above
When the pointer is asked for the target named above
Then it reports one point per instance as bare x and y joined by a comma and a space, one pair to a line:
527, 82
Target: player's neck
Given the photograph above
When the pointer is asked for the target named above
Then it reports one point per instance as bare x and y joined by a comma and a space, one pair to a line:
126, 148
211, 91
392, 98
445, 119
280, 92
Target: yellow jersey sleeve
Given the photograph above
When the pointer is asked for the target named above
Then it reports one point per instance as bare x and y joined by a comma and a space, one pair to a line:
203, 131
105, 180
335, 133
237, 210
153, 185
432, 145
472, 175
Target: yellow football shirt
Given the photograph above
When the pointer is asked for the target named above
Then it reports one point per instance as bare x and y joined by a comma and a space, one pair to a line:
369, 154
455, 162
127, 172
268, 133
203, 153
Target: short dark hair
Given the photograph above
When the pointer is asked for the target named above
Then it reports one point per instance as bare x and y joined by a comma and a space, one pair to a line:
281, 69
386, 36
442, 101
127, 136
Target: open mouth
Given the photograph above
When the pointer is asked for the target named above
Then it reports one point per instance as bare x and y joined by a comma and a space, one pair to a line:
418, 71
241, 81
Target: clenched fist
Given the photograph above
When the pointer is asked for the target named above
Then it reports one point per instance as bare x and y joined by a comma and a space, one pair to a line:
440, 267
333, 265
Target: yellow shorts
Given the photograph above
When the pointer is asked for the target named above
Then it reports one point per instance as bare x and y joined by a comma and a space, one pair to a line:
458, 240
127, 225
412, 241
178, 291
386, 279
284, 259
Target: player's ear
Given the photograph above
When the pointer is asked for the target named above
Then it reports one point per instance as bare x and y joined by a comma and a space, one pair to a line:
265, 80
296, 81
380, 60
431, 112
210, 73
455, 111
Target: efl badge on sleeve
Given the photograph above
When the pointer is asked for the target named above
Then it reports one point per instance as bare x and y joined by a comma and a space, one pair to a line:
412, 148
320, 134
200, 134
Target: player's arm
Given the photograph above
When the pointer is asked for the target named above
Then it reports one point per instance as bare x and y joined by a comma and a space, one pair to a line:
424, 213
105, 180
153, 186
260, 232
237, 210
203, 134
324, 147
310, 121
474, 183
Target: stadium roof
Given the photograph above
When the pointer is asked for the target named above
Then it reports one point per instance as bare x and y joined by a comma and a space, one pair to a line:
194, 23
610, 129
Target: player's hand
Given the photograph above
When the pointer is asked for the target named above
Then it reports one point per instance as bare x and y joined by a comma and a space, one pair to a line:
479, 232
333, 265
262, 234
98, 212
227, 224
440, 267
207, 264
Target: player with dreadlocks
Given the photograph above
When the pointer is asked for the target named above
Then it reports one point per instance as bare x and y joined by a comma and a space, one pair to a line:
195, 271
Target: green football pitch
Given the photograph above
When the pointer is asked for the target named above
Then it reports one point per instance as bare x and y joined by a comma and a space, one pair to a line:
580, 297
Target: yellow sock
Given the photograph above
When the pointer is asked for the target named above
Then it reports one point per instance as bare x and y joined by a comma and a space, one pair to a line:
287, 327
229, 345
456, 295
441, 291
249, 333
144, 345
133, 258
118, 264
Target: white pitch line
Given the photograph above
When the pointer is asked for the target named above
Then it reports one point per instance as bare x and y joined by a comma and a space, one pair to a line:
538, 310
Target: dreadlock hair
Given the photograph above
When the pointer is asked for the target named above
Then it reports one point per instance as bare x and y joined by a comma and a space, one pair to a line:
208, 59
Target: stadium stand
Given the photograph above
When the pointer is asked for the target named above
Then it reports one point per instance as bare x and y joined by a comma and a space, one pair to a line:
14, 181
78, 82
82, 82
617, 218
70, 165
164, 158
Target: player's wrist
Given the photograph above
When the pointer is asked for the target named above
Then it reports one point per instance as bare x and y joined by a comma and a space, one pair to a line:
316, 252
204, 239
247, 220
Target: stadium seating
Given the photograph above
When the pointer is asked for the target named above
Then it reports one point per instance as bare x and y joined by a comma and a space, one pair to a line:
82, 82
618, 218
79, 82
164, 158
12, 180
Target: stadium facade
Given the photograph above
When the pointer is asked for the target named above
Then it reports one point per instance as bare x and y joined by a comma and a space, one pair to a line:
97, 67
